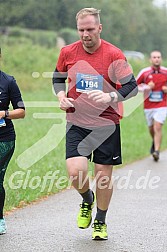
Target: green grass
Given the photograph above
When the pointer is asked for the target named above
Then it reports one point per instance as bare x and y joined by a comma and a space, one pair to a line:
21, 61
29, 131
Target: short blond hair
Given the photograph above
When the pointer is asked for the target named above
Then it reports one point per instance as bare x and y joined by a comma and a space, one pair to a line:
89, 11
155, 51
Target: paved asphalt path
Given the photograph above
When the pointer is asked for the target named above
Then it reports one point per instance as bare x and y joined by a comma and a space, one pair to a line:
137, 217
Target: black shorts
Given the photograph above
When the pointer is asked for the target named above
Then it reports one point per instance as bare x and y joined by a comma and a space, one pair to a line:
100, 145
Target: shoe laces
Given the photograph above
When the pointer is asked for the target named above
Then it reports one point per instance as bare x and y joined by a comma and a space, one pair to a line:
85, 208
98, 226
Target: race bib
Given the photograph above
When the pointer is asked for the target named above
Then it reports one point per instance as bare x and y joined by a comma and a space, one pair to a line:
156, 96
87, 82
2, 122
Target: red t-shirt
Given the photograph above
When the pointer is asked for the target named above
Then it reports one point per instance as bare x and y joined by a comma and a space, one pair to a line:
155, 98
99, 70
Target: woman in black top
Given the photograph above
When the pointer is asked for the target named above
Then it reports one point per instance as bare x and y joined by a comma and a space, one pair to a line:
9, 93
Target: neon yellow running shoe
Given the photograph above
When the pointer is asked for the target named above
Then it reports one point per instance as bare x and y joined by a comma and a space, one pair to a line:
84, 217
99, 231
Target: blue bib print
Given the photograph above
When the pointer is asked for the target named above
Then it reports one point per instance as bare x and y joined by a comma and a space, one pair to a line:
156, 96
88, 82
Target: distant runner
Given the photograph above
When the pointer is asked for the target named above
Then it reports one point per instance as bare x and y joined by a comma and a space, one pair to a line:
153, 82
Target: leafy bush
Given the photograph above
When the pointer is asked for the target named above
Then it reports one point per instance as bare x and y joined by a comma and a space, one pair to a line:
23, 59
69, 35
40, 37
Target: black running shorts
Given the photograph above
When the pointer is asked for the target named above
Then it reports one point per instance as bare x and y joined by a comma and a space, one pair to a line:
100, 145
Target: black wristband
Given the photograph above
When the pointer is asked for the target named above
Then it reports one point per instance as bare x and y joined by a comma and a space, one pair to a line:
6, 113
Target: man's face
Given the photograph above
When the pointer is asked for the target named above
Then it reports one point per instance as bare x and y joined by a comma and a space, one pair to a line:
89, 31
156, 59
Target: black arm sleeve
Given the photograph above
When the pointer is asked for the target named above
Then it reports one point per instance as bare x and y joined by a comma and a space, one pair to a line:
15, 95
58, 81
128, 89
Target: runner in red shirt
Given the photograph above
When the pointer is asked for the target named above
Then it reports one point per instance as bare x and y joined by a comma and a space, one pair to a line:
153, 82
93, 68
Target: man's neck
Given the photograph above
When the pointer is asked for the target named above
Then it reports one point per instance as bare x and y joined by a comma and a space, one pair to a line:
91, 50
156, 67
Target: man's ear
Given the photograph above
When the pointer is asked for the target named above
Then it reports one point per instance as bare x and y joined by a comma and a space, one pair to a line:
100, 28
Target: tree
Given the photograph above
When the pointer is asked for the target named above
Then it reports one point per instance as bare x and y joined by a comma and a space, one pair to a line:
129, 24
